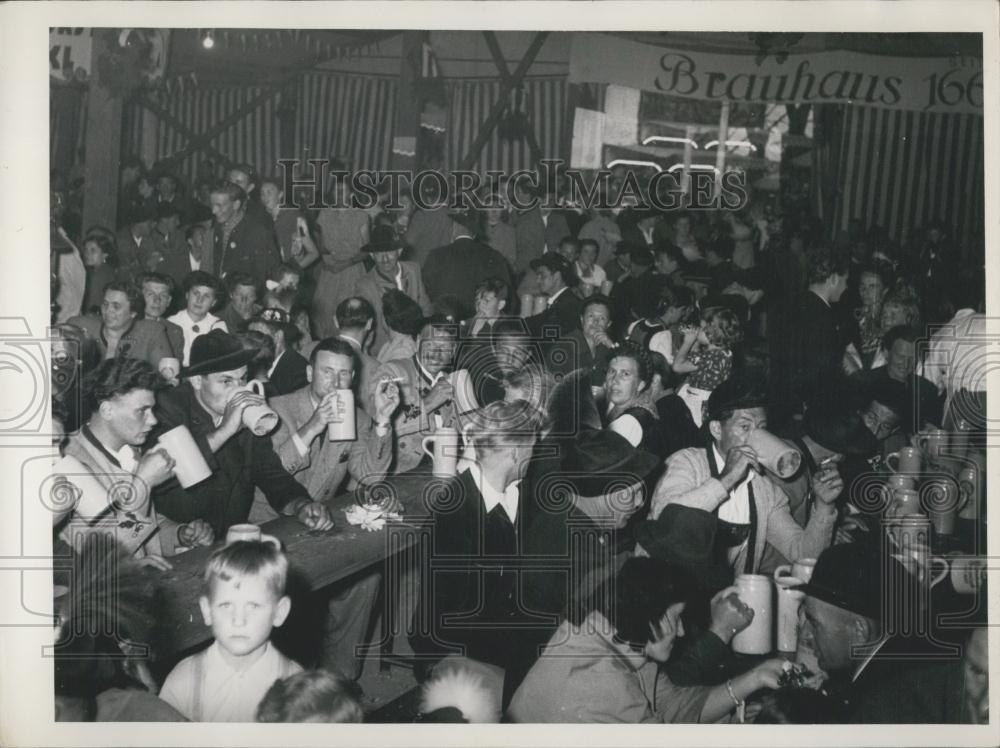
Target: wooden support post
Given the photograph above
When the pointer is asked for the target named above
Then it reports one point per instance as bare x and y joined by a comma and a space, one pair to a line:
720, 149
103, 141
495, 51
688, 155
487, 127
169, 119
406, 128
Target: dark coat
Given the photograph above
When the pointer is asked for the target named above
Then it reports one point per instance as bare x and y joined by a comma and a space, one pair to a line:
241, 464
534, 236
289, 374
595, 363
481, 589
251, 249
564, 314
457, 268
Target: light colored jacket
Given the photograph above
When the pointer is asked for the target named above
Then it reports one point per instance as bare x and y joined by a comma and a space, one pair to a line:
109, 498
322, 469
688, 482
583, 675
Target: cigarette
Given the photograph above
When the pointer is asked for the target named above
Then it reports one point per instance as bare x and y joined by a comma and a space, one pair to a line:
394, 379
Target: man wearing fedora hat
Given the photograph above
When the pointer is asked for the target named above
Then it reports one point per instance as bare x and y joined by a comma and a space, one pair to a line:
389, 272
456, 269
211, 403
714, 513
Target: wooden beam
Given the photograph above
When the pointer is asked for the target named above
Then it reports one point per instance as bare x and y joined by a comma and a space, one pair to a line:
501, 63
486, 128
181, 128
103, 140
408, 104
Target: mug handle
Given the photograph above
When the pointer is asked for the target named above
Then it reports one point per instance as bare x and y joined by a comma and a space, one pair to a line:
272, 540
785, 570
427, 440
888, 461
935, 580
966, 488
256, 387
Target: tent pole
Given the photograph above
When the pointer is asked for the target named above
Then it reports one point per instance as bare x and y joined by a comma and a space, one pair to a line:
103, 139
688, 155
720, 150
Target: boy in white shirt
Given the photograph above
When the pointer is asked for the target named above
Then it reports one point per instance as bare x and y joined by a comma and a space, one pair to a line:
244, 599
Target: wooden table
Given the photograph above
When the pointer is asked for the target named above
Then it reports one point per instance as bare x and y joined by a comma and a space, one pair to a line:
316, 560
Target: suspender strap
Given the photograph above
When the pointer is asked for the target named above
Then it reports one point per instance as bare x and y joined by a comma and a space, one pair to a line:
750, 565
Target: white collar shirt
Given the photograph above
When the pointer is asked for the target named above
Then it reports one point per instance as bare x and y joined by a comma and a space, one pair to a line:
737, 509
507, 498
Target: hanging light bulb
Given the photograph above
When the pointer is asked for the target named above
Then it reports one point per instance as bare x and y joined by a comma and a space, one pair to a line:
207, 40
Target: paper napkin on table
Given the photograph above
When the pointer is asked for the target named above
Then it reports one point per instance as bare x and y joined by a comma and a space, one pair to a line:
371, 518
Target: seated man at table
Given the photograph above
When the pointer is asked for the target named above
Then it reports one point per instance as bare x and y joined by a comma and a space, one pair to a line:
103, 459
855, 598
466, 611
714, 513
211, 402
426, 393
321, 465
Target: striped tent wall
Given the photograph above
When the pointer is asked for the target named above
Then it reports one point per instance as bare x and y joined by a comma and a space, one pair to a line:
903, 169
470, 102
350, 117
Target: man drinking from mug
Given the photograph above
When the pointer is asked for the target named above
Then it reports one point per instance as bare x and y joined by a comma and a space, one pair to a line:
714, 511
211, 403
107, 475
321, 463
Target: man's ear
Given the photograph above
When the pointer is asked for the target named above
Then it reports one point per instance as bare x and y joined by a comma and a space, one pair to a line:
309, 373
195, 382
282, 610
369, 325
501, 305
105, 410
862, 630
206, 610
715, 429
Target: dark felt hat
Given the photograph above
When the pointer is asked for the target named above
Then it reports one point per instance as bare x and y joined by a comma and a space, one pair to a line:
736, 393
470, 219
383, 239
556, 263
167, 209
216, 351
851, 576
600, 461
839, 429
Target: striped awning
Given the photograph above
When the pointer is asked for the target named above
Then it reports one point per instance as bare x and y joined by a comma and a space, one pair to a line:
902, 170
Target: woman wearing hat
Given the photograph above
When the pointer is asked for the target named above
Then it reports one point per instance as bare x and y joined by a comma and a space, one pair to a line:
388, 273
603, 663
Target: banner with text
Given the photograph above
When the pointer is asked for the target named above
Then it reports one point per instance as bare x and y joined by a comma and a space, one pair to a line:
924, 84
69, 53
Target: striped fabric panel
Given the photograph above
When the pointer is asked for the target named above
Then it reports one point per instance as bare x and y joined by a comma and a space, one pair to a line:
903, 169
470, 102
350, 117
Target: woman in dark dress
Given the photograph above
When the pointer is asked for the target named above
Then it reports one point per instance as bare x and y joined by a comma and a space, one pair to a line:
631, 410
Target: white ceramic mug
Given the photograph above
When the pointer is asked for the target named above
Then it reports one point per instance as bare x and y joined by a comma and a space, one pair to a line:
776, 455
970, 486
541, 303
945, 501
260, 419
465, 394
801, 569
967, 573
905, 501
189, 463
789, 601
447, 447
909, 460
754, 590
932, 442
250, 532
345, 429
170, 367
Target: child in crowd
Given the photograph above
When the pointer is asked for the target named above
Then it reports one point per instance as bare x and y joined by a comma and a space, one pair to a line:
244, 599
312, 696
710, 364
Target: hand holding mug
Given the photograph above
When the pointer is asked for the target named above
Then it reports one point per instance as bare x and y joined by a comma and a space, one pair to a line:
767, 674
730, 615
155, 467
195, 533
738, 464
232, 418
331, 409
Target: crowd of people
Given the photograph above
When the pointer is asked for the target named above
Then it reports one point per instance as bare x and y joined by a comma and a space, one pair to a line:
609, 371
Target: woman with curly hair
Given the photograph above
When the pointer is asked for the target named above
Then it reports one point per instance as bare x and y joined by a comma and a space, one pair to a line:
706, 356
